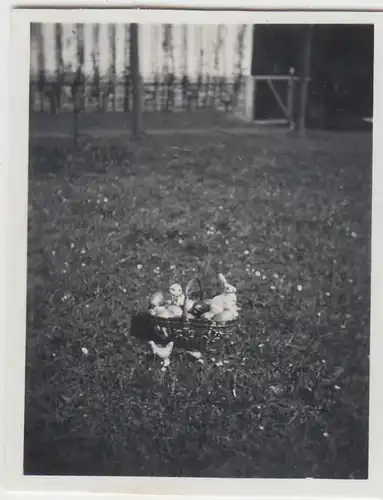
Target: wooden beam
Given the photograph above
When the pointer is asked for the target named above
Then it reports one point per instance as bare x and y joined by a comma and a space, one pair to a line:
281, 104
274, 78
290, 99
136, 81
127, 68
305, 77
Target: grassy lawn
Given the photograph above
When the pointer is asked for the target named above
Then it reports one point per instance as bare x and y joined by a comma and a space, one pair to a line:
287, 220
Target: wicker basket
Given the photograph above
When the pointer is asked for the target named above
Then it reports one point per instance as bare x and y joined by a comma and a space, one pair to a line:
192, 334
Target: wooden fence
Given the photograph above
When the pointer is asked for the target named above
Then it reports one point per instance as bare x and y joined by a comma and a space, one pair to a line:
173, 96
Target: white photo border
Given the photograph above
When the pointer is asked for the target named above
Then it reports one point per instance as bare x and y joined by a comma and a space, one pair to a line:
14, 217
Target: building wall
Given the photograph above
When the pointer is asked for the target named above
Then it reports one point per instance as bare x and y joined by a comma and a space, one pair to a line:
214, 50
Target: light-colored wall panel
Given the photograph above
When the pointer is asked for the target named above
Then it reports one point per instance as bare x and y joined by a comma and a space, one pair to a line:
49, 41
69, 46
186, 40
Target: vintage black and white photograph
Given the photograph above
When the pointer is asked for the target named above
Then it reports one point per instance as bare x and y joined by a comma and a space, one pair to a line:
199, 250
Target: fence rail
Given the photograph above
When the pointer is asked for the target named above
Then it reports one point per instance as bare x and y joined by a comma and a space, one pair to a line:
57, 96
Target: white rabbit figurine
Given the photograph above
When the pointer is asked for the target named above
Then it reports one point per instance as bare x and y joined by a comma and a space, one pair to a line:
223, 307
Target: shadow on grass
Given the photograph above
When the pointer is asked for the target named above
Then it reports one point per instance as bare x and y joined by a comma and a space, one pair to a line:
142, 329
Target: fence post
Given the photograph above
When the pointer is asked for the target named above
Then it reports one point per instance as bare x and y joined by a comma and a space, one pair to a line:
136, 81
126, 90
290, 98
76, 83
249, 98
255, 100
305, 77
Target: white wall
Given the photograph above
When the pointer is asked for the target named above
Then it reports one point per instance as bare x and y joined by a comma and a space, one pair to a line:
152, 54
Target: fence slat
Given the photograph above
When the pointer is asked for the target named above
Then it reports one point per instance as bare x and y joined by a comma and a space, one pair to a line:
69, 49
112, 65
49, 42
184, 51
80, 55
120, 56
34, 53
88, 49
104, 45
127, 105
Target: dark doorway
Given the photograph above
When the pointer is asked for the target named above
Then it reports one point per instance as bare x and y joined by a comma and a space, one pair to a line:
341, 86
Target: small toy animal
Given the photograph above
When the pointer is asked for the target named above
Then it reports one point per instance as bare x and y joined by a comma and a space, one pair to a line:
157, 299
178, 297
174, 311
223, 307
159, 311
162, 352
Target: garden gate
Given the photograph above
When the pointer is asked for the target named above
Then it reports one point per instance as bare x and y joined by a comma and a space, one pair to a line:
268, 99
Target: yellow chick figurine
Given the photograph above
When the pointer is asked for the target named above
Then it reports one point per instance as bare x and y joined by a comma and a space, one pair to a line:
178, 297
161, 312
174, 311
157, 299
156, 302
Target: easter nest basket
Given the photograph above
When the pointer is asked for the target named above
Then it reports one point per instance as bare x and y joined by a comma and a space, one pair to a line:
190, 333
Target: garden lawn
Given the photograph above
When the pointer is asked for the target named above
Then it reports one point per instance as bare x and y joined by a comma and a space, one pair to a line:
286, 220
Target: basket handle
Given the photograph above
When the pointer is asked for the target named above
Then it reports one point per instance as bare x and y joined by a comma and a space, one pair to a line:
203, 271
187, 292
188, 288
